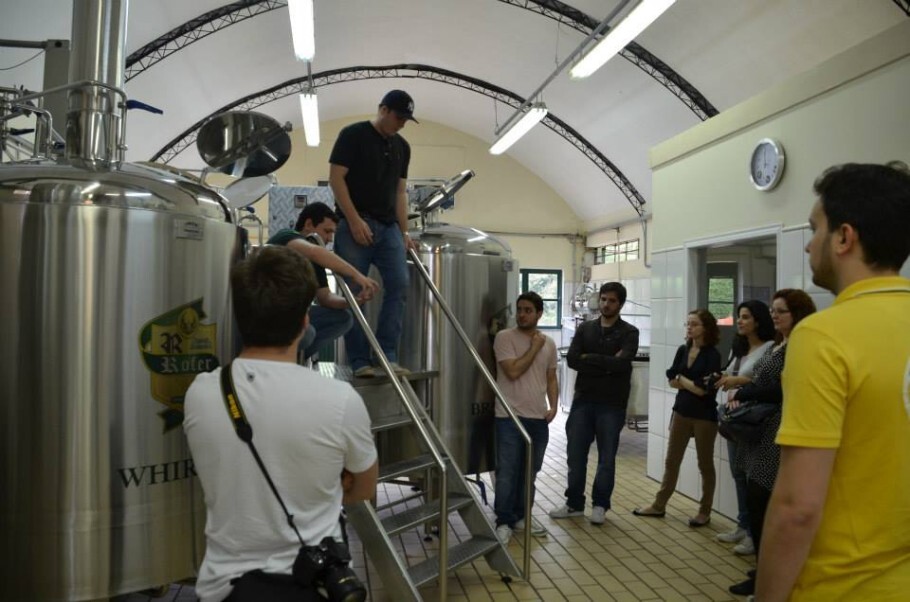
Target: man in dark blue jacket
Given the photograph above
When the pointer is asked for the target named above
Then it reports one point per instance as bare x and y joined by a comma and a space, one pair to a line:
601, 352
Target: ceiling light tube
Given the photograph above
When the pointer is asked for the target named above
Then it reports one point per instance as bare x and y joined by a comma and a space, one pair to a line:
303, 29
309, 108
619, 37
519, 128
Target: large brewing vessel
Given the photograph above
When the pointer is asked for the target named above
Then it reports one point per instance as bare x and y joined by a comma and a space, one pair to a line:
114, 287
477, 276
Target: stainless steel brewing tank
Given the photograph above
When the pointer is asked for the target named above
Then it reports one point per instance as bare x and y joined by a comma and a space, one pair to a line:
115, 293
475, 273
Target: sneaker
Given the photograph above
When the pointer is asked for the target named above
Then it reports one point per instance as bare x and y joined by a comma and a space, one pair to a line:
735, 535
597, 515
565, 512
504, 534
537, 530
745, 547
365, 372
398, 369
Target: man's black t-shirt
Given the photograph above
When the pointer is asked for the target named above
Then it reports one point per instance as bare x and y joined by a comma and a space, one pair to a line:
375, 166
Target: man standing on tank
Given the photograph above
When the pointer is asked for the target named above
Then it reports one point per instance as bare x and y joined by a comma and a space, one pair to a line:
368, 175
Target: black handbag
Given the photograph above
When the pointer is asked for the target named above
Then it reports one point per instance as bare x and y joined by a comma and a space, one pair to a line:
744, 424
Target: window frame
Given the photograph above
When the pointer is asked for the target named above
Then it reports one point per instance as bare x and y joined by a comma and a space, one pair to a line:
523, 285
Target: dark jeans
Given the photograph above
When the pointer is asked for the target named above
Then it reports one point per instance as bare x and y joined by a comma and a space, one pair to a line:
757, 500
388, 254
326, 325
739, 478
589, 421
509, 504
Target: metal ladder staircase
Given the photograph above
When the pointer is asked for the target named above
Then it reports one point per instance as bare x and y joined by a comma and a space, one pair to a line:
444, 493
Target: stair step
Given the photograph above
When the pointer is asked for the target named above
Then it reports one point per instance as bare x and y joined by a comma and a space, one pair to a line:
460, 554
390, 422
414, 517
397, 469
382, 378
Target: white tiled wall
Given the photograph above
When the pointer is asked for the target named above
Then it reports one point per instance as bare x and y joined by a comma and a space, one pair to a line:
669, 303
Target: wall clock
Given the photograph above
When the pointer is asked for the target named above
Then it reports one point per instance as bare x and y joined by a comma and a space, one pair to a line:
766, 167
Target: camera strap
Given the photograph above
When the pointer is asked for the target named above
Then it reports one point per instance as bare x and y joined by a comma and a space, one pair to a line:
245, 432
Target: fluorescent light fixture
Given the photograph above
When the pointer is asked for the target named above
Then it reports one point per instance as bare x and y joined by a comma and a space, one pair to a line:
619, 37
531, 117
309, 107
303, 29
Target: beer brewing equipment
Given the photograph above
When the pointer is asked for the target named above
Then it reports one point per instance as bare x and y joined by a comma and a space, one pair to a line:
114, 284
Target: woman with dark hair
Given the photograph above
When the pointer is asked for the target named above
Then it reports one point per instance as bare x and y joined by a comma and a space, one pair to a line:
754, 334
694, 414
761, 459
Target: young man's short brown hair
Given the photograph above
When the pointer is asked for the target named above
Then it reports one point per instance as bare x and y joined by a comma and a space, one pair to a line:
272, 292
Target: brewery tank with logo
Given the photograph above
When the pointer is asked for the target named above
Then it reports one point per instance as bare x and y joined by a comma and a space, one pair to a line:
114, 285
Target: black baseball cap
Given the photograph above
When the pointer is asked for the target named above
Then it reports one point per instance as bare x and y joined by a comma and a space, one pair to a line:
400, 102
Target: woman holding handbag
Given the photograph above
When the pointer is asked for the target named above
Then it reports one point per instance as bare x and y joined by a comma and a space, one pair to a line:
754, 334
760, 459
694, 414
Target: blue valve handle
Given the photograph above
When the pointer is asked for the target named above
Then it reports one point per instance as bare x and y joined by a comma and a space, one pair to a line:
135, 104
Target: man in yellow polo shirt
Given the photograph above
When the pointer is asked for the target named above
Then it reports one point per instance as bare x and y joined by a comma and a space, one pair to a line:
838, 525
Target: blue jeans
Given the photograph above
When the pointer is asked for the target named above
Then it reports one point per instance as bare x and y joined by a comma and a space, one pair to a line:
590, 420
509, 504
387, 253
739, 477
326, 325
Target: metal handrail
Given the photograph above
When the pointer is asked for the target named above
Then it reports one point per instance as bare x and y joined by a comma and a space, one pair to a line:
421, 269
421, 428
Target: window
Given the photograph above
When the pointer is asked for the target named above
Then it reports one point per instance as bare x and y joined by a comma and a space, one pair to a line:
547, 284
617, 252
722, 291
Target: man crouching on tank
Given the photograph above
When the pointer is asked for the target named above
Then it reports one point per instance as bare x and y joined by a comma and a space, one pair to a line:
308, 431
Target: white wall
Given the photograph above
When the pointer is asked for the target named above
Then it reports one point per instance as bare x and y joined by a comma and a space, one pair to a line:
851, 108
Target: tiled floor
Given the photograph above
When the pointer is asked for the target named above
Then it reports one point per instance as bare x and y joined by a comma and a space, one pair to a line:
628, 558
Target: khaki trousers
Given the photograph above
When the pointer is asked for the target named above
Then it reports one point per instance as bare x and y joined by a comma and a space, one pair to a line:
681, 430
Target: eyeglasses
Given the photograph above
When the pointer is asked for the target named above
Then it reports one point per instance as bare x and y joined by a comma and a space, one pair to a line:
779, 311
691, 324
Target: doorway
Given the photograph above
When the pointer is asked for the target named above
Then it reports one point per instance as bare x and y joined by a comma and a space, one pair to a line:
729, 273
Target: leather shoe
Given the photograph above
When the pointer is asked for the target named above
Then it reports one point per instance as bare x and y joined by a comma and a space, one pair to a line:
745, 588
649, 512
695, 522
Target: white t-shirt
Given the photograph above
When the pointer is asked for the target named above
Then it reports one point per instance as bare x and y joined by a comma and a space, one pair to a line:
747, 364
306, 428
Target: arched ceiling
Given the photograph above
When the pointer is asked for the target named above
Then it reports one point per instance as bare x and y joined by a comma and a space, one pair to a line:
192, 58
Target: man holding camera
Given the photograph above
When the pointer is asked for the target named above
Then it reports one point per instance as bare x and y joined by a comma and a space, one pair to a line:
309, 431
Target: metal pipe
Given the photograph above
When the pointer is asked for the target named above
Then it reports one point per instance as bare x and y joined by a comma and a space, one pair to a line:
421, 269
530, 99
22, 44
94, 128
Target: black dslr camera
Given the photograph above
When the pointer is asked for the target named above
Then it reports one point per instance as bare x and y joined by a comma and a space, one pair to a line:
326, 565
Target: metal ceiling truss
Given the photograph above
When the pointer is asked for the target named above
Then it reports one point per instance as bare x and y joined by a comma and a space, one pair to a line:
225, 16
633, 52
904, 5
349, 74
194, 30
